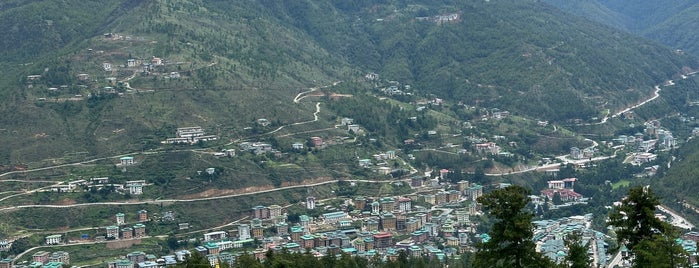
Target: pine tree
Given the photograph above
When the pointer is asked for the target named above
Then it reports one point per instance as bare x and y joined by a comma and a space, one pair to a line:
511, 242
577, 252
650, 240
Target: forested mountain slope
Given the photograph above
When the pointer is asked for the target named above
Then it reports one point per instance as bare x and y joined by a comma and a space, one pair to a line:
245, 60
667, 22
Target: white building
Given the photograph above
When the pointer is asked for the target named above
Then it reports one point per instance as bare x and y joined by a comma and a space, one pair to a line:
214, 236
310, 202
244, 232
53, 239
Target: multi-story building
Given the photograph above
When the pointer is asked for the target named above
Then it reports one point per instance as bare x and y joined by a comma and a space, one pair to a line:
371, 225
282, 228
388, 222
310, 202
404, 204
307, 241
383, 240
453, 196
412, 225
462, 217
142, 215
258, 231
122, 263
139, 230
112, 232
41, 256
5, 245
334, 217
296, 233
5, 263
136, 256
275, 211
440, 198
462, 186
475, 191
375, 207
126, 233
53, 239
213, 236
359, 203
387, 204
430, 199
244, 232
260, 212
120, 218
212, 248
60, 256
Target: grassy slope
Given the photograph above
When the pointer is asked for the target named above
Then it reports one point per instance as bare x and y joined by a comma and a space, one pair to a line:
266, 52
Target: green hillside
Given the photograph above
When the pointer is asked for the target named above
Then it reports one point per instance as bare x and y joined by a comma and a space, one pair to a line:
239, 61
666, 22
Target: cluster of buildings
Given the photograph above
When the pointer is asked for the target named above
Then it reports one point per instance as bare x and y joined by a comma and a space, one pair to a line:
381, 166
140, 259
41, 259
133, 187
113, 232
549, 236
444, 18
190, 135
362, 226
558, 190
653, 136
578, 154
259, 147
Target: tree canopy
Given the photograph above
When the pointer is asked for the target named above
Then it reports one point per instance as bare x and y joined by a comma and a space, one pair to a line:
511, 242
650, 240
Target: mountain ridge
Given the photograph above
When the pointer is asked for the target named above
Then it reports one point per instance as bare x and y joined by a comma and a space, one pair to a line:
235, 57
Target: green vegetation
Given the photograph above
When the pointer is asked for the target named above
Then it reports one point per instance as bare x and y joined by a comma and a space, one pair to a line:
511, 242
650, 240
666, 21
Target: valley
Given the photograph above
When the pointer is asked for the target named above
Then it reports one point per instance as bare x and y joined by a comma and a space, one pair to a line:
146, 131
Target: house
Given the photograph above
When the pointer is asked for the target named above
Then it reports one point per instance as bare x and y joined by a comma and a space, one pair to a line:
106, 66
156, 61
316, 141
263, 122
346, 121
371, 76
83, 77
576, 153
567, 183
353, 128
126, 161
135, 187
644, 158
112, 232
142, 215
297, 146
364, 162
488, 147
53, 239
384, 170
139, 230
566, 195
5, 245
120, 218
102, 180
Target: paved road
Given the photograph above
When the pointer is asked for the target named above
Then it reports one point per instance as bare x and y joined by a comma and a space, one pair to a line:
161, 201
